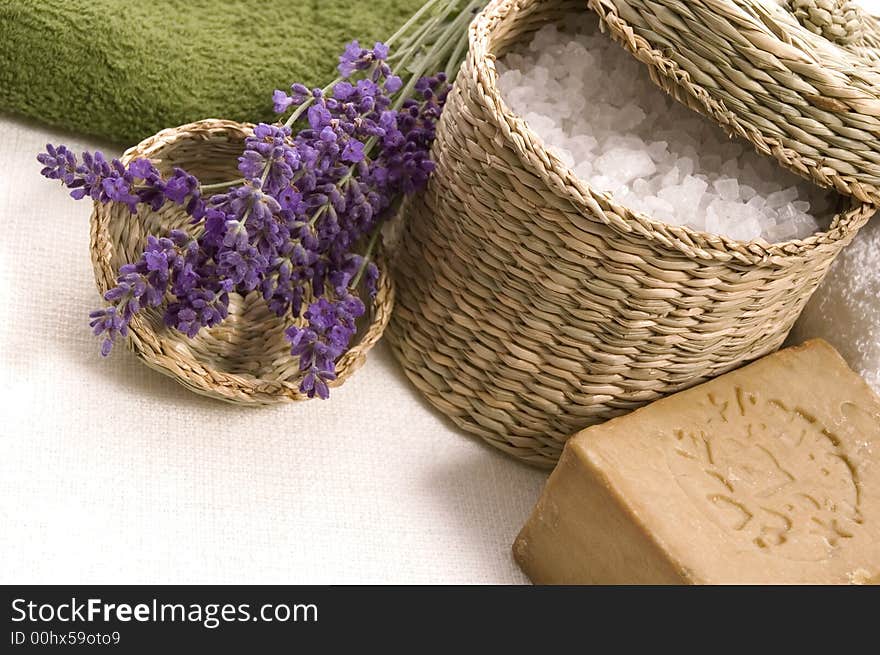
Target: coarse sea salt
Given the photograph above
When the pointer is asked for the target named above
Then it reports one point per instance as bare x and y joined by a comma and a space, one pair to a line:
598, 112
845, 310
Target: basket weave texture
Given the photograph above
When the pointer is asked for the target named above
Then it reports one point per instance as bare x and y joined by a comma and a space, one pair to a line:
246, 359
530, 306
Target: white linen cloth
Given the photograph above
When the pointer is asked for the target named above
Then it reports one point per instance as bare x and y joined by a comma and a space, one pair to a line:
113, 473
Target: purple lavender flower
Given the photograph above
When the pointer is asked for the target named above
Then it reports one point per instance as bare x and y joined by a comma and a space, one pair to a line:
184, 189
118, 189
353, 151
292, 229
109, 323
371, 279
180, 186
352, 58
269, 147
244, 267
110, 181
139, 285
331, 326
380, 51
204, 306
281, 101
393, 84
247, 199
143, 168
59, 163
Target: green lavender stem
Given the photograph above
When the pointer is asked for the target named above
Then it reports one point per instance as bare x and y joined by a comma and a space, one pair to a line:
416, 41
222, 185
412, 21
455, 59
439, 50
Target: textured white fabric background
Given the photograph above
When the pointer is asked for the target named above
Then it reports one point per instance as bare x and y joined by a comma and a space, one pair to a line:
113, 473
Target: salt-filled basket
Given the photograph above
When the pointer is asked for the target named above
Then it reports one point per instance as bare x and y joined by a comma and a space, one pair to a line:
531, 305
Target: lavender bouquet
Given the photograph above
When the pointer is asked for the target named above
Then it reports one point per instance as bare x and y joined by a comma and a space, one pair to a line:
302, 221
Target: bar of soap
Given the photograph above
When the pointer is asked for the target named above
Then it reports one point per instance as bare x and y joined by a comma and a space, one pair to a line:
766, 475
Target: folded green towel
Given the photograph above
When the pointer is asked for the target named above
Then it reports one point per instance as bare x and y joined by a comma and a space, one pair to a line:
124, 70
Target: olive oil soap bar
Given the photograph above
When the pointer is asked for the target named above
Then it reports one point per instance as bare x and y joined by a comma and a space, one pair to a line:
768, 474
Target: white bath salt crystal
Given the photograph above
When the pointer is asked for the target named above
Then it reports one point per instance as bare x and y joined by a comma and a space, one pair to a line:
514, 61
563, 155
518, 96
659, 209
583, 144
658, 150
670, 178
781, 198
806, 225
787, 213
622, 141
755, 202
541, 75
693, 188
782, 232
642, 187
743, 229
539, 122
672, 194
721, 215
630, 116
605, 183
727, 188
845, 310
686, 165
583, 170
596, 109
689, 146
509, 79
625, 165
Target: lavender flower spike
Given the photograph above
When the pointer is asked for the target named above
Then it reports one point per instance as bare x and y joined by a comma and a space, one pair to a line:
110, 181
331, 326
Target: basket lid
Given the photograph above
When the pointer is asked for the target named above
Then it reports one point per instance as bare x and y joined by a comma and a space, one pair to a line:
799, 79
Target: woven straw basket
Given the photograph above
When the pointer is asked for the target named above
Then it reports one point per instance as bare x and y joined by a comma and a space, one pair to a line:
531, 306
245, 359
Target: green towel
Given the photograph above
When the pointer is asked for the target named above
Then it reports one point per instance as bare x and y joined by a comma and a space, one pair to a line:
123, 69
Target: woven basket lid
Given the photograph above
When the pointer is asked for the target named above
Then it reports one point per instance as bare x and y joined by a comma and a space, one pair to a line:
800, 79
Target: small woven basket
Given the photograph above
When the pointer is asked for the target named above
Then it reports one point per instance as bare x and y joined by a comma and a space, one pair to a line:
531, 306
245, 359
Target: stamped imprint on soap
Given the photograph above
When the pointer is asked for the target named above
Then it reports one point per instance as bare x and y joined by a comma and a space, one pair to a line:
773, 475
